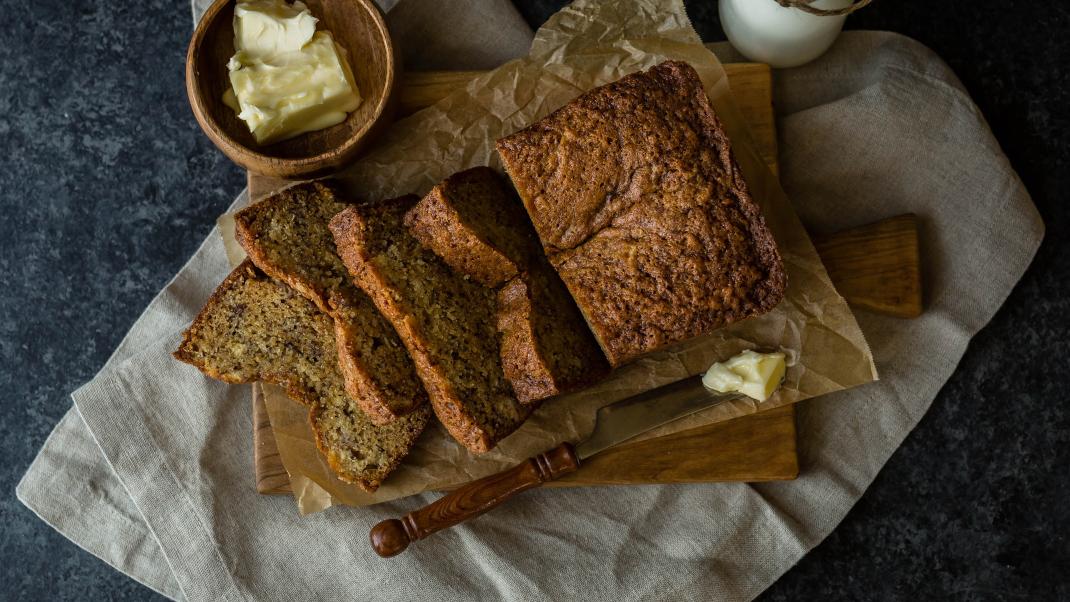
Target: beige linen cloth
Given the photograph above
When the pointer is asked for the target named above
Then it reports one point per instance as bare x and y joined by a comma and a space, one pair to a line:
151, 469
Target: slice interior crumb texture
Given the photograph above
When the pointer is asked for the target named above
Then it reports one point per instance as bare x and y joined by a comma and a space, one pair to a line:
254, 328
286, 236
446, 320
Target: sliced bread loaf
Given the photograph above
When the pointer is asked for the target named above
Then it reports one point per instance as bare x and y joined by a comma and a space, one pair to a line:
546, 346
255, 328
445, 320
475, 222
286, 236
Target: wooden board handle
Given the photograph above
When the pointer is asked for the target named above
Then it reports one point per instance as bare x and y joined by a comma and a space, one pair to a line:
876, 266
392, 536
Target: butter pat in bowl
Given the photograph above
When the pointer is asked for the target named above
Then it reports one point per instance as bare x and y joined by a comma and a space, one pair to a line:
289, 90
286, 78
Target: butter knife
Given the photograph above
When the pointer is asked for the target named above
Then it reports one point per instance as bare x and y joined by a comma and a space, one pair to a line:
615, 423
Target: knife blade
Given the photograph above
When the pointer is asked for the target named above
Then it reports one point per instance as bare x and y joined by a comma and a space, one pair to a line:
614, 423
635, 415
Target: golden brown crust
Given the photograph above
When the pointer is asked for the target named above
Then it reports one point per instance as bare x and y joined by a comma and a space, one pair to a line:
477, 225
524, 366
547, 349
643, 211
256, 329
286, 236
445, 321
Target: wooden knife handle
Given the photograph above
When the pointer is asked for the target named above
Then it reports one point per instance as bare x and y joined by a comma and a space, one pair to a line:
392, 536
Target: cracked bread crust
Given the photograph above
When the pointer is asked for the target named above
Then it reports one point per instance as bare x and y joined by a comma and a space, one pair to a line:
643, 211
477, 225
286, 236
254, 328
445, 320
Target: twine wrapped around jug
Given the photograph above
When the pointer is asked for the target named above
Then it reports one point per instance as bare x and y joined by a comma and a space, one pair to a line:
804, 5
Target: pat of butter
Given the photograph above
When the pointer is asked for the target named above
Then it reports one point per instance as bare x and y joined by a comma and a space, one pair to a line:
264, 28
286, 78
756, 375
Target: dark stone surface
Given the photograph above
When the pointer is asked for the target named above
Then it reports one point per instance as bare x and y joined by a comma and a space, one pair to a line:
107, 187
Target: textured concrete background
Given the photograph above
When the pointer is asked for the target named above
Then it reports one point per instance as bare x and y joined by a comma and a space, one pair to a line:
107, 186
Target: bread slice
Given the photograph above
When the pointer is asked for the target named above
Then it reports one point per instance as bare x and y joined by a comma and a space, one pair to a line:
644, 213
546, 347
477, 225
254, 328
446, 321
286, 236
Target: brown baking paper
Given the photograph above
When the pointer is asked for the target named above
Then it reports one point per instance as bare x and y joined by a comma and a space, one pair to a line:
587, 44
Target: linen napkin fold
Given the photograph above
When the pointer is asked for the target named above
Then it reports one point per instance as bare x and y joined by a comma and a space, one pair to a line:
151, 469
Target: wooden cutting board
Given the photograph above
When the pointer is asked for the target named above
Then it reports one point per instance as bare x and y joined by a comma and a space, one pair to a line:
875, 266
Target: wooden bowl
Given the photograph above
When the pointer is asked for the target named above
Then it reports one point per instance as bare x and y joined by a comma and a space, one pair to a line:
359, 27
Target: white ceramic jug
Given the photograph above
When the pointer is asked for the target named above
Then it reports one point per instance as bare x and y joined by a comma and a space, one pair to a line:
766, 32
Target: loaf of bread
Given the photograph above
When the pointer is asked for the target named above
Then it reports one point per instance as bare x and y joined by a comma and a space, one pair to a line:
546, 347
477, 225
644, 213
286, 236
254, 328
446, 321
